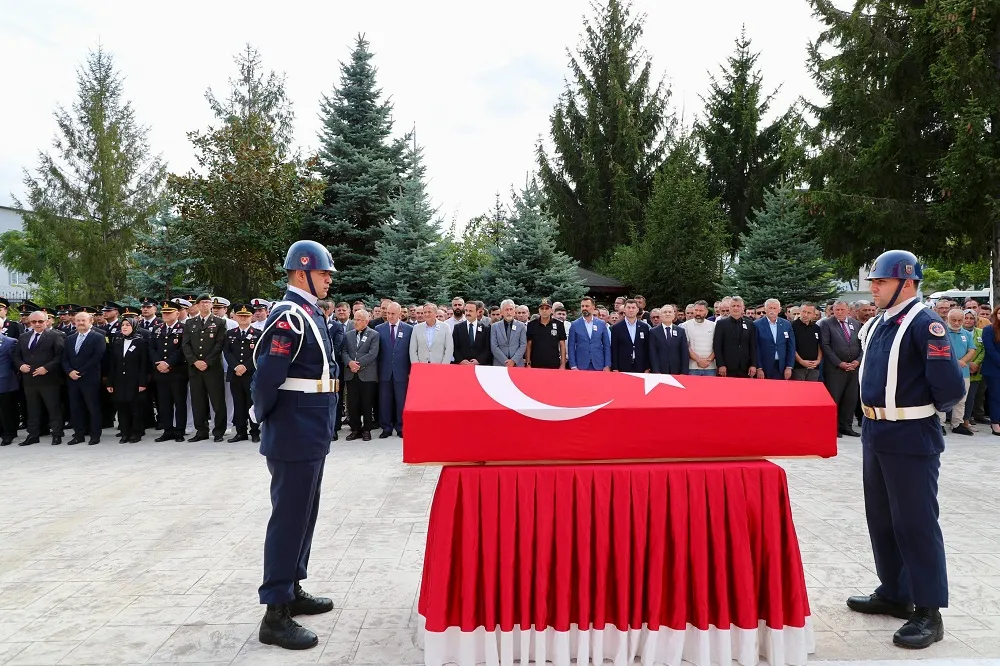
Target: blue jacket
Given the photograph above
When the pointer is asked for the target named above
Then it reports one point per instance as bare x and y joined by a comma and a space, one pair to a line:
295, 426
8, 374
394, 359
669, 353
766, 346
88, 361
991, 357
589, 352
626, 355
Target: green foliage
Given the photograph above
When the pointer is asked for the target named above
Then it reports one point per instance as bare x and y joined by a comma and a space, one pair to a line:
89, 197
244, 205
608, 136
50, 291
745, 157
679, 258
936, 280
164, 260
410, 260
781, 256
362, 168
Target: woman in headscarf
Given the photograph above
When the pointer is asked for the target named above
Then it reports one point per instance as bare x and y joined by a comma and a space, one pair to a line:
127, 375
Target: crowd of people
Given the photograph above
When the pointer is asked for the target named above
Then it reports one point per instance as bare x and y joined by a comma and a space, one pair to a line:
166, 365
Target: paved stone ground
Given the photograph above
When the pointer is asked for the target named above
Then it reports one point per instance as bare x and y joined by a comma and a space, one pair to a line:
150, 553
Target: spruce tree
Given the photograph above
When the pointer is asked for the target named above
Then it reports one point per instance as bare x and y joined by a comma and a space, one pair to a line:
410, 259
746, 157
679, 258
164, 260
781, 255
608, 135
362, 166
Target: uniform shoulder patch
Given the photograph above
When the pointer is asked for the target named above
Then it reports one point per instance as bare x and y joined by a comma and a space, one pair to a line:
280, 346
284, 325
938, 351
936, 329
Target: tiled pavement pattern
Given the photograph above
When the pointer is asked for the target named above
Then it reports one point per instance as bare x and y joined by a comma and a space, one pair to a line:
150, 553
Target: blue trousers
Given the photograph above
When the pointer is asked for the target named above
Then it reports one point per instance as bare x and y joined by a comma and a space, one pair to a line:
902, 510
391, 396
295, 490
993, 397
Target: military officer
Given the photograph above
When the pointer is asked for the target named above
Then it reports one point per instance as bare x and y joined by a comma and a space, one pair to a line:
294, 395
260, 307
65, 314
908, 373
149, 320
8, 327
170, 374
239, 351
112, 324
204, 337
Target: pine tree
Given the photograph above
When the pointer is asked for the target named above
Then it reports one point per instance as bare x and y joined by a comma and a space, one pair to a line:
608, 134
410, 258
163, 260
781, 256
679, 258
745, 157
87, 200
362, 166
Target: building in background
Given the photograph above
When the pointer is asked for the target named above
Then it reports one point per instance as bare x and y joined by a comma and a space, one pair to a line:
13, 285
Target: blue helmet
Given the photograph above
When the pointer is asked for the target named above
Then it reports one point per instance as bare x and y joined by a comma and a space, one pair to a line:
897, 264
307, 255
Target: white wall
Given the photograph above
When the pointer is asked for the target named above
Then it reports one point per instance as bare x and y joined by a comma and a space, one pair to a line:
11, 284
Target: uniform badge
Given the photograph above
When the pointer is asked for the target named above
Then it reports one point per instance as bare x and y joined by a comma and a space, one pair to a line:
176, 341
280, 348
908, 269
283, 325
936, 329
938, 351
307, 309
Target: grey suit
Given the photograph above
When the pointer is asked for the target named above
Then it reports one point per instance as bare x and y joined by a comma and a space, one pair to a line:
508, 349
840, 347
361, 385
442, 345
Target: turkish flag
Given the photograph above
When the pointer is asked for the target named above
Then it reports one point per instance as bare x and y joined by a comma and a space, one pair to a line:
474, 414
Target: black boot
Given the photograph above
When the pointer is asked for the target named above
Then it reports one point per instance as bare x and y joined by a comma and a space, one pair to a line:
306, 604
924, 628
278, 628
876, 605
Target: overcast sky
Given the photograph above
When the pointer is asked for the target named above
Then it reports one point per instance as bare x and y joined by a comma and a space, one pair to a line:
478, 80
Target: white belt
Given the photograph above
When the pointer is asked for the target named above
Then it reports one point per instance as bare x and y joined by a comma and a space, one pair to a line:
902, 413
310, 385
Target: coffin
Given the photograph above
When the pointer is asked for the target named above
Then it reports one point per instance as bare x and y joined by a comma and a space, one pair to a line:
457, 414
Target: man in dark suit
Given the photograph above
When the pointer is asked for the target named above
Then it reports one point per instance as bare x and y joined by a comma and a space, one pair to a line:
775, 343
204, 338
39, 358
735, 343
83, 354
361, 373
474, 350
841, 345
630, 341
393, 369
668, 345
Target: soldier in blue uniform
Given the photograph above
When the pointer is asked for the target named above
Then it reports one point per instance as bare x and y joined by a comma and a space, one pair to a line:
908, 373
294, 394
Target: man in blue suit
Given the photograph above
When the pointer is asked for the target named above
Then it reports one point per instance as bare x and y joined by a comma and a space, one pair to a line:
775, 343
589, 340
9, 388
82, 357
630, 342
294, 394
668, 345
393, 370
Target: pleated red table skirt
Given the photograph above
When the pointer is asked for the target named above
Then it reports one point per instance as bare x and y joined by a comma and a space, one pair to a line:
664, 561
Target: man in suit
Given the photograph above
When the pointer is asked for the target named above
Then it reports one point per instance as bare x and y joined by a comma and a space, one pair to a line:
361, 374
775, 343
39, 359
668, 345
82, 357
589, 342
431, 340
471, 337
841, 345
393, 369
630, 341
204, 338
735, 342
9, 387
508, 338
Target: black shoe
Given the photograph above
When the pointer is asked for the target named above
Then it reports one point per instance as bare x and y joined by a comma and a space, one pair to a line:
123, 440
306, 604
28, 441
75, 440
353, 436
400, 433
56, 440
119, 434
94, 440
385, 434
135, 439
944, 431
179, 438
218, 438
924, 628
238, 437
850, 432
278, 628
962, 429
164, 437
876, 605
335, 437
366, 436
199, 437
255, 438
6, 442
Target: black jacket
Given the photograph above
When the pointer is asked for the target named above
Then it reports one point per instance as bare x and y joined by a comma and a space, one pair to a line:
465, 350
735, 345
127, 371
48, 352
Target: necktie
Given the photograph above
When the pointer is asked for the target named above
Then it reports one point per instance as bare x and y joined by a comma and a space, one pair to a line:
392, 334
472, 333
359, 339
847, 334
79, 341
33, 342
